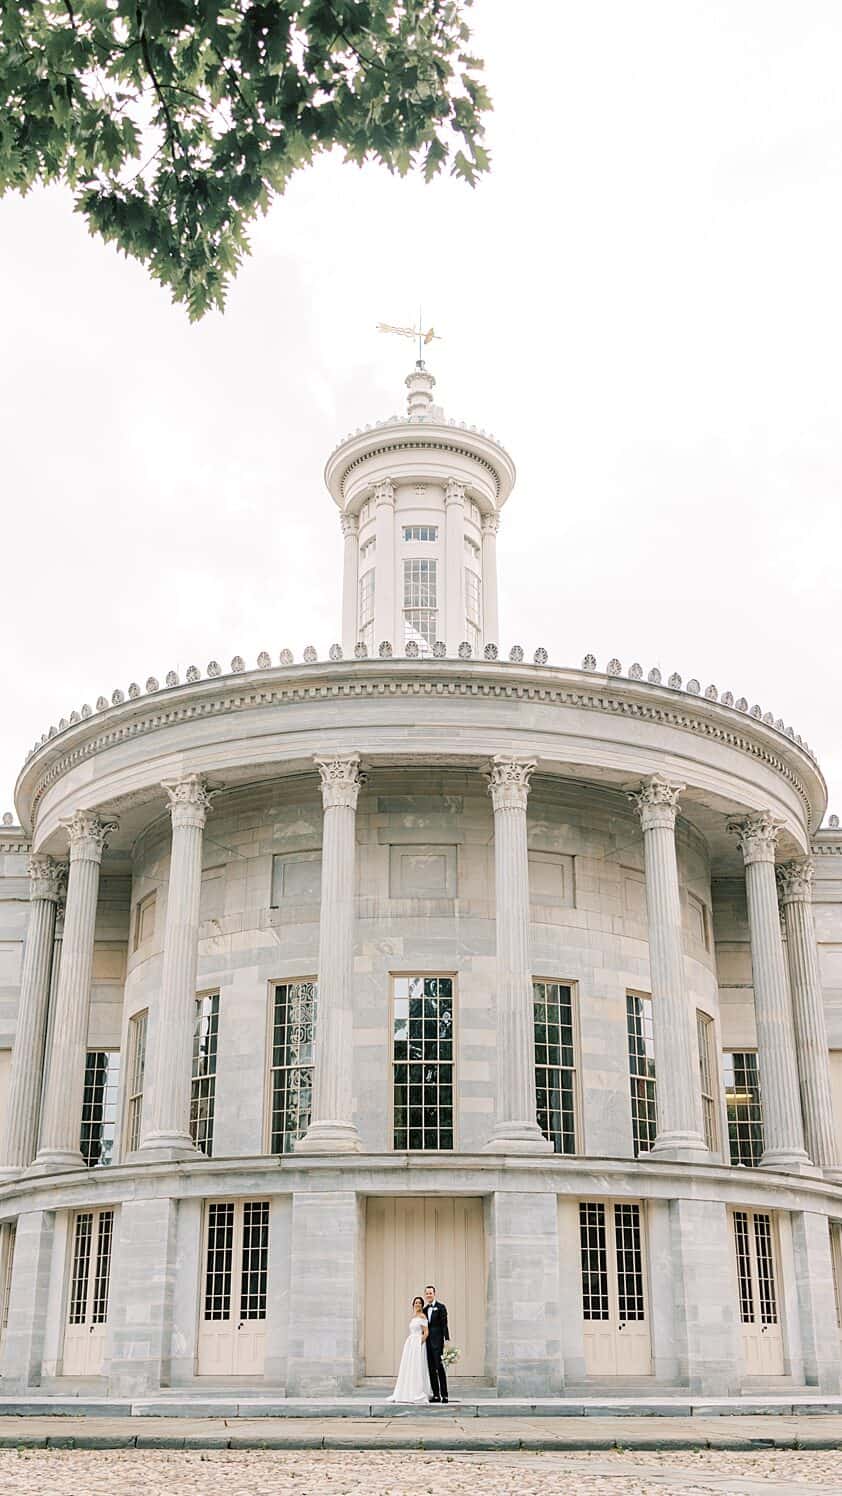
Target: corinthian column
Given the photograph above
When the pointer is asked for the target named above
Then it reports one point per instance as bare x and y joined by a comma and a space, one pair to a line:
783, 1132
516, 1129
46, 881
454, 563
385, 566
61, 1116
678, 1101
490, 621
331, 1129
795, 884
350, 583
166, 1110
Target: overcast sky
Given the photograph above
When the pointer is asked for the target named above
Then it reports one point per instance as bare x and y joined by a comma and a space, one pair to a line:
642, 301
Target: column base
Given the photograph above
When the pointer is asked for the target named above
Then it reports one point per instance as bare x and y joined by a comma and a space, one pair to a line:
10, 1174
833, 1176
790, 1161
56, 1161
330, 1137
681, 1148
517, 1137
166, 1148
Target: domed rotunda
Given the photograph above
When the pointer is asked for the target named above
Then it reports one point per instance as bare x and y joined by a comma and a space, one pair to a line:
428, 962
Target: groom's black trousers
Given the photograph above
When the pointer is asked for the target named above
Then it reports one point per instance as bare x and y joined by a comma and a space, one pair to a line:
435, 1366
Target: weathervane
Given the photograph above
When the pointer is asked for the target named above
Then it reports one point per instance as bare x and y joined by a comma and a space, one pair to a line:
424, 337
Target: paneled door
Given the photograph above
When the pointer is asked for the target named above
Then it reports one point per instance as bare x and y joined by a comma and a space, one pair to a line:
87, 1303
757, 1281
411, 1241
232, 1323
614, 1296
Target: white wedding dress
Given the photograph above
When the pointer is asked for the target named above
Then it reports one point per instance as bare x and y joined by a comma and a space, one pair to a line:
413, 1383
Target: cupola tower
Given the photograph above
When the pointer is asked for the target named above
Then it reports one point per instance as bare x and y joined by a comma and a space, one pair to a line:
419, 499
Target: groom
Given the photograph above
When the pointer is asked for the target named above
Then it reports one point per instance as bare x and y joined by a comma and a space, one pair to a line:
438, 1333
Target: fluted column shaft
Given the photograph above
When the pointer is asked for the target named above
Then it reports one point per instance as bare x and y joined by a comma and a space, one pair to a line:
61, 1116
454, 561
795, 884
490, 620
350, 583
385, 613
783, 1131
331, 1129
46, 879
516, 1129
678, 1099
166, 1109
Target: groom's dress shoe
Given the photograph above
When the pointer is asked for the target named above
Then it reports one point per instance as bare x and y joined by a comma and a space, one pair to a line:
435, 1399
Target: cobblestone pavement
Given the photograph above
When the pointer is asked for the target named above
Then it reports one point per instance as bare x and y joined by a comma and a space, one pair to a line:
58, 1472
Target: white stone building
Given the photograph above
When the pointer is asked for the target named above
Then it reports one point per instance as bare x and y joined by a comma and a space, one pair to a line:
428, 962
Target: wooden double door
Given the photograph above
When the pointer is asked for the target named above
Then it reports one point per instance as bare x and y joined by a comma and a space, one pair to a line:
412, 1240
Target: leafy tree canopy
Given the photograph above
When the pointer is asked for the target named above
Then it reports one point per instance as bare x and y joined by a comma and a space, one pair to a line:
176, 121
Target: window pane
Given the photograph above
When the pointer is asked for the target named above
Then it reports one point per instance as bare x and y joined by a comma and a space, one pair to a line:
422, 1092
99, 1107
203, 1081
555, 1075
293, 1028
744, 1107
641, 1071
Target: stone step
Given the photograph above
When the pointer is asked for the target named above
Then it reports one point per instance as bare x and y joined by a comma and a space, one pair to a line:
234, 1405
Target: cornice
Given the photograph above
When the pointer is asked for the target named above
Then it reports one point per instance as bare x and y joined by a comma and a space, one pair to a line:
368, 679
439, 446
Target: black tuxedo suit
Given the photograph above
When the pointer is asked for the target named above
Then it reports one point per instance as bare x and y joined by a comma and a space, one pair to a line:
436, 1316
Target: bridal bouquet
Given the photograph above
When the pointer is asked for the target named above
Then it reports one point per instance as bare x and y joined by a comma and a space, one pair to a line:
450, 1355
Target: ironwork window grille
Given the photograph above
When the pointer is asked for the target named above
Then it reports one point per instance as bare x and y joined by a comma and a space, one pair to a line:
220, 1258
741, 1243
203, 1080
427, 533
641, 1071
594, 1254
707, 1071
630, 1303
836, 1265
293, 1027
744, 1107
420, 592
366, 622
764, 1253
9, 1233
423, 1063
555, 1064
255, 1261
137, 1067
81, 1268
102, 1270
99, 1107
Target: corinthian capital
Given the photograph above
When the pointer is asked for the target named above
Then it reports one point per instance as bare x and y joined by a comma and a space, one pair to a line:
656, 802
46, 878
350, 524
454, 492
508, 781
342, 779
795, 881
384, 492
86, 833
756, 835
189, 800
490, 524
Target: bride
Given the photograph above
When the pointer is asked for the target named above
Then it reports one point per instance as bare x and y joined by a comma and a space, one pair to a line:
413, 1383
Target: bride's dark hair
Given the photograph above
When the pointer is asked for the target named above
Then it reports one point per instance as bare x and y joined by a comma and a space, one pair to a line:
418, 1300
